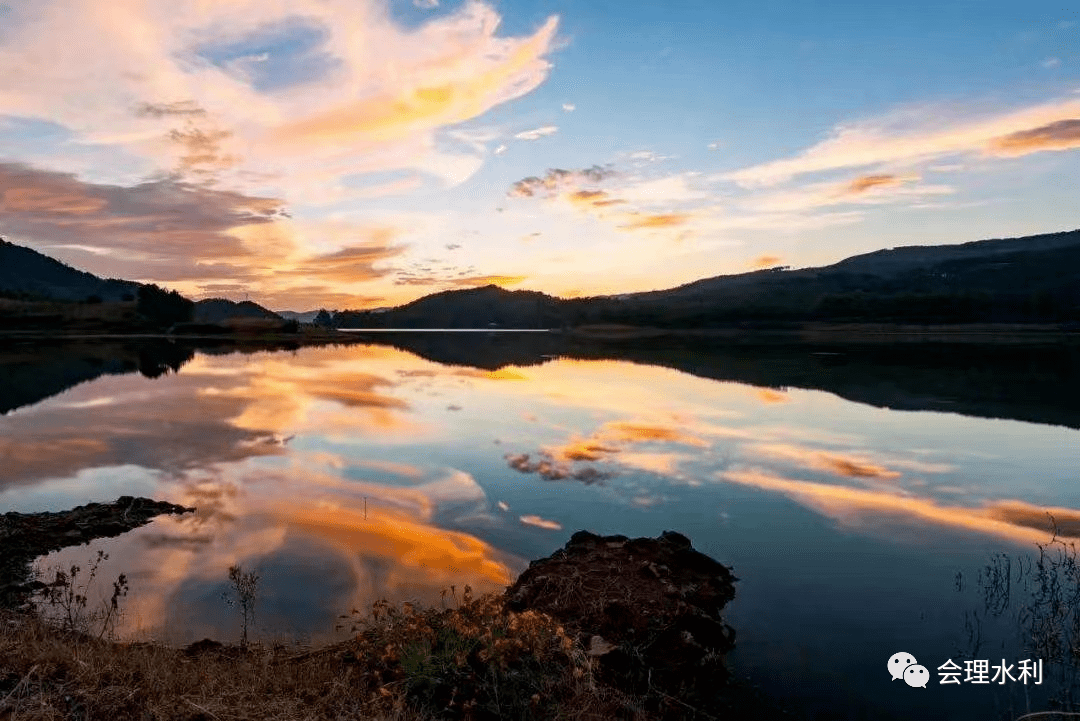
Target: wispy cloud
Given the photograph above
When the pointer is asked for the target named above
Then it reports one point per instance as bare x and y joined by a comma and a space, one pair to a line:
660, 220
1059, 135
569, 107
537, 133
541, 523
913, 136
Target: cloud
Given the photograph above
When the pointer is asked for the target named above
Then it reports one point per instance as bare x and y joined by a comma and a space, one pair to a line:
537, 133
426, 4
611, 442
192, 101
1051, 62
569, 107
472, 281
919, 135
557, 180
842, 464
500, 149
766, 261
550, 470
180, 108
191, 226
660, 220
594, 198
1014, 520
351, 264
540, 523
865, 182
1059, 135
469, 79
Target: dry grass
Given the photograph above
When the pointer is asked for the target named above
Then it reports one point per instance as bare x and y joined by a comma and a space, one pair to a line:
475, 661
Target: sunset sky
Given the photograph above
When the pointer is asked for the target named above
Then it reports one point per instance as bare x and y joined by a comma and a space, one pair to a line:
363, 153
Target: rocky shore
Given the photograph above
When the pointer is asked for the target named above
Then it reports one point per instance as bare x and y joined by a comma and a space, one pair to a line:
25, 536
605, 627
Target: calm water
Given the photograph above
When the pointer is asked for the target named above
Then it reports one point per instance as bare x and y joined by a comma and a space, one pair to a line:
346, 474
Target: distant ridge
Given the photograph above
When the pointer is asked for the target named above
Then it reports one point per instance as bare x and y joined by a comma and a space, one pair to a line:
1011, 280
216, 310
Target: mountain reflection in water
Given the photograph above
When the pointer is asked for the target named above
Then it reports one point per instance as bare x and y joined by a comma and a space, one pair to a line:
348, 473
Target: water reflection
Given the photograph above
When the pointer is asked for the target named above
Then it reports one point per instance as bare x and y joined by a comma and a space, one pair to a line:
345, 474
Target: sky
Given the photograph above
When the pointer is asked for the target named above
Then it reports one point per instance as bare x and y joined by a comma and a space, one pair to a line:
364, 153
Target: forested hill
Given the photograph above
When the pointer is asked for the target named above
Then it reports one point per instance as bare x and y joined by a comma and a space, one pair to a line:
26, 274
1013, 280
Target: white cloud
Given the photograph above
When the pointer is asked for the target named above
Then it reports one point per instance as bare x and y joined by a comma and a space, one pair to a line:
537, 133
569, 107
161, 80
911, 137
500, 149
426, 4
1051, 62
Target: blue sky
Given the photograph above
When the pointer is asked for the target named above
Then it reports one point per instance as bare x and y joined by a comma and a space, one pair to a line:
359, 153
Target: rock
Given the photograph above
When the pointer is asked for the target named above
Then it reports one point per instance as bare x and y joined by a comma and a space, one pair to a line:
648, 609
25, 536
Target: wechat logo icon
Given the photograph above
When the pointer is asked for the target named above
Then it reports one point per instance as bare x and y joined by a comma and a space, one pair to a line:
904, 666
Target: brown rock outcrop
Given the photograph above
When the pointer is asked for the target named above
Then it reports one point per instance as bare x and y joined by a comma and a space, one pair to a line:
648, 609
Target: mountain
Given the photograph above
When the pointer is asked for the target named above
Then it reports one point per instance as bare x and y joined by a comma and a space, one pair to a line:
26, 274
1013, 280
304, 317
472, 308
217, 310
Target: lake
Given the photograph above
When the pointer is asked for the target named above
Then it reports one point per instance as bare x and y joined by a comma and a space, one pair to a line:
871, 498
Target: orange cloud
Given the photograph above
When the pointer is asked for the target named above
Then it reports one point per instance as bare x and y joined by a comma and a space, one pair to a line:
354, 263
192, 227
556, 462
1059, 135
865, 182
847, 465
766, 395
397, 114
1009, 519
420, 555
766, 261
474, 281
661, 220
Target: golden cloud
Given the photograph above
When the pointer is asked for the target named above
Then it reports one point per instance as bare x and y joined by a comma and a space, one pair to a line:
660, 220
865, 182
1059, 135
556, 462
1009, 519
766, 261
473, 281
351, 264
841, 464
479, 85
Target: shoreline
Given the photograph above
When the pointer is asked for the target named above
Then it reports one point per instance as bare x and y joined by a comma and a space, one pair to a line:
606, 627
